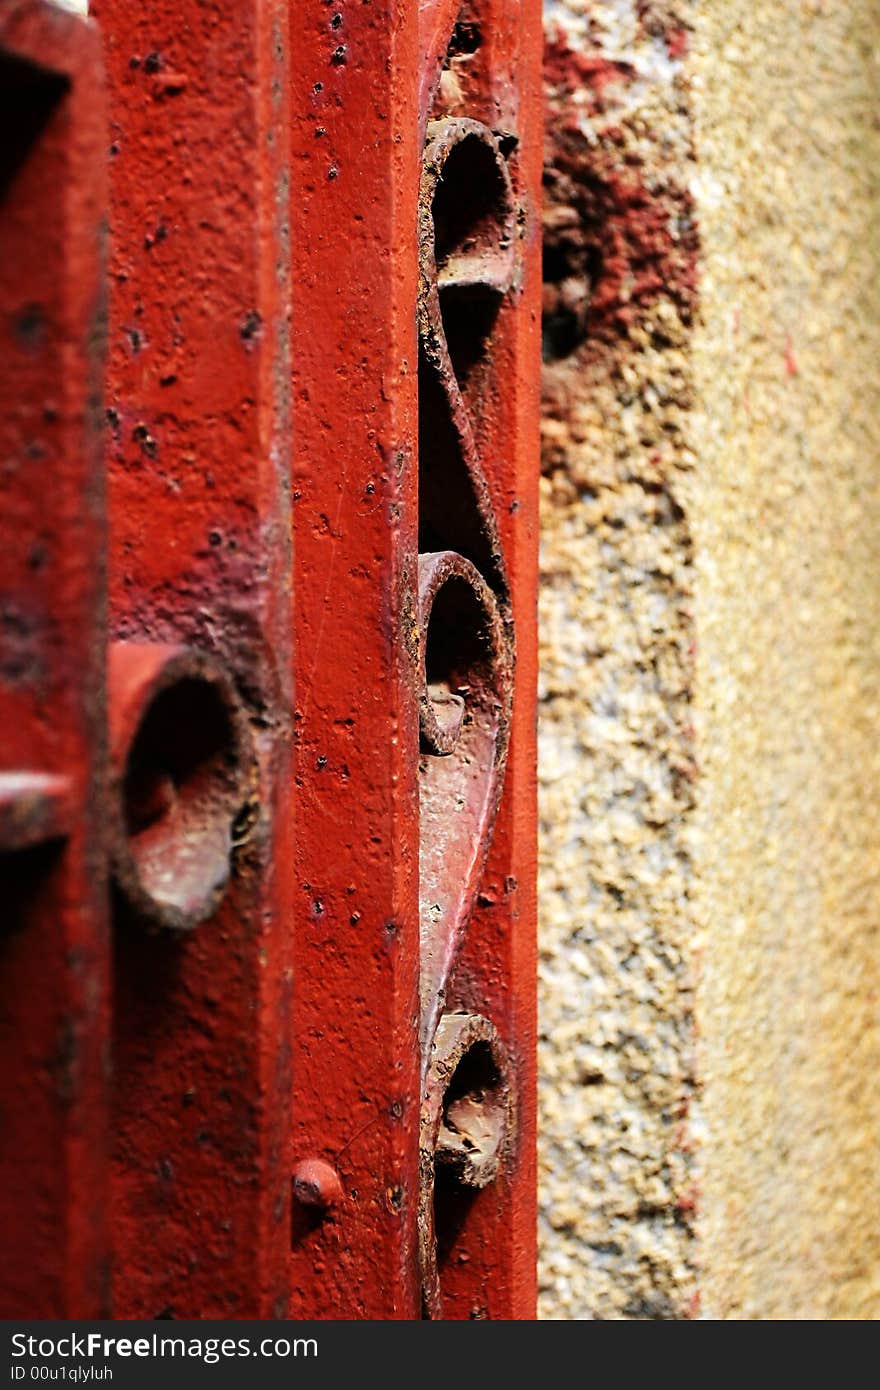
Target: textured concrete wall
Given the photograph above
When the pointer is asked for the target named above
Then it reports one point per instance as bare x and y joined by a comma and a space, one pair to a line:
785, 513
711, 833
616, 751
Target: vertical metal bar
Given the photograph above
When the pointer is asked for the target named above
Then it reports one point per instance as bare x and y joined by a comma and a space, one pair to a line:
200, 587
53, 939
356, 1062
488, 1252
386, 634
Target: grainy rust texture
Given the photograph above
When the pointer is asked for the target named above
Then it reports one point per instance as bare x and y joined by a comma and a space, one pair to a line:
465, 726
617, 749
468, 1132
53, 914
469, 254
469, 248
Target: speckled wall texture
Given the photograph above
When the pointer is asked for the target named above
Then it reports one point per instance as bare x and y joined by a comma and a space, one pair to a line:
711, 666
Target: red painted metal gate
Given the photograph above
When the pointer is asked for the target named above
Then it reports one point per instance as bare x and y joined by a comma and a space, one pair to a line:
268, 658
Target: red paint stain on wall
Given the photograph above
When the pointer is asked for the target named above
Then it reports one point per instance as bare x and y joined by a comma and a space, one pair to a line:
567, 71
618, 235
656, 20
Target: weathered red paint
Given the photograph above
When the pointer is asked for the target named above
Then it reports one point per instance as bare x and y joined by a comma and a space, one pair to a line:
356, 153
316, 1184
293, 1050
53, 934
181, 764
486, 1243
569, 70
466, 659
469, 1115
362, 497
677, 43
199, 456
629, 244
657, 18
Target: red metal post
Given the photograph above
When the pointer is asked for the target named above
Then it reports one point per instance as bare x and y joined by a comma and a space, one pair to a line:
356, 1062
416, 403
322, 1044
482, 64
201, 666
53, 931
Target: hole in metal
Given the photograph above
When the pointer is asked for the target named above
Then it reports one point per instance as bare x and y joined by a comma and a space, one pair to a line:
180, 795
475, 1116
468, 321
470, 207
459, 657
466, 37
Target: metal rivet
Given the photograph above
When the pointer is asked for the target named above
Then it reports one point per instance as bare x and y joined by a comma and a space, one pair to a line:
316, 1184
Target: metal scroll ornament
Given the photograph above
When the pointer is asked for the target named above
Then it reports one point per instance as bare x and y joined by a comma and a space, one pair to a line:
467, 228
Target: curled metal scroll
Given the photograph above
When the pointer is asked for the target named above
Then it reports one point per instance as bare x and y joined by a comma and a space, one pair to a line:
467, 233
466, 263
468, 1117
464, 718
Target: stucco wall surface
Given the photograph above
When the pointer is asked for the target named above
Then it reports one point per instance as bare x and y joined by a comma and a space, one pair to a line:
785, 514
710, 1046
616, 737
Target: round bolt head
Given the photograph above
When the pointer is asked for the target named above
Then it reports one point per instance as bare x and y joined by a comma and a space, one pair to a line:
316, 1184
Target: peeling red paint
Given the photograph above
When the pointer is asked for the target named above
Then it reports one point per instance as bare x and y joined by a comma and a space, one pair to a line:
568, 71
626, 240
198, 457
660, 20
791, 362
677, 43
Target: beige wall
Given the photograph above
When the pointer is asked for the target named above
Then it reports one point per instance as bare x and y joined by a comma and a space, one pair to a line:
785, 512
616, 732
711, 620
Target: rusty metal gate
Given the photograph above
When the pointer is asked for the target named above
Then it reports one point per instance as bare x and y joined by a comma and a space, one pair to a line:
269, 303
